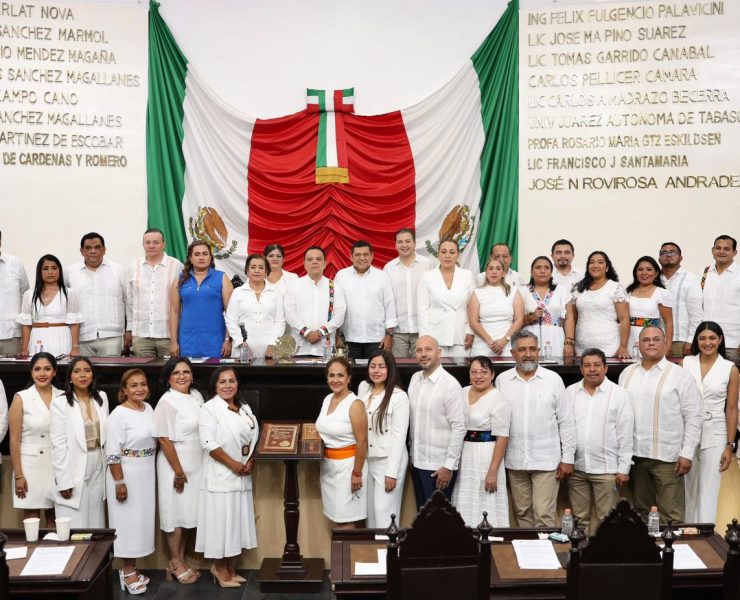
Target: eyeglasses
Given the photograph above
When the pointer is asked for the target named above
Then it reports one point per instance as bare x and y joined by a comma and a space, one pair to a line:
668, 253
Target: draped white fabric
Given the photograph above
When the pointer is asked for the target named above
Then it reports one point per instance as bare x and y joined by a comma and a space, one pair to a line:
445, 133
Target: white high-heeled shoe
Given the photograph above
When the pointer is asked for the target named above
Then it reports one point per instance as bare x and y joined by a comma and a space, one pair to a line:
135, 588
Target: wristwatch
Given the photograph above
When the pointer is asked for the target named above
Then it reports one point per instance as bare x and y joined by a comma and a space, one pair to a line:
732, 445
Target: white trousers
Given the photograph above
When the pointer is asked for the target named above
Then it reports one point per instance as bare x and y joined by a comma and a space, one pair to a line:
381, 504
702, 484
91, 513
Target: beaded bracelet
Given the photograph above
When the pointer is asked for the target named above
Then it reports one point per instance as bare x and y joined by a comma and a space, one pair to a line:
118, 482
356, 473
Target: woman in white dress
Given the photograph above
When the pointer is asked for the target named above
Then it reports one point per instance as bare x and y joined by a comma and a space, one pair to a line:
130, 451
598, 314
481, 480
545, 306
495, 312
50, 313
258, 305
30, 441
276, 275
78, 432
228, 434
178, 462
442, 302
717, 379
343, 427
387, 408
650, 302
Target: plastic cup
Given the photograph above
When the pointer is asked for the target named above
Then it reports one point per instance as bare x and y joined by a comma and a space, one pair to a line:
31, 525
63, 525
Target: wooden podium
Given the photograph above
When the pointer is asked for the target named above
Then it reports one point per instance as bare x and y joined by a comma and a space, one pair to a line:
292, 573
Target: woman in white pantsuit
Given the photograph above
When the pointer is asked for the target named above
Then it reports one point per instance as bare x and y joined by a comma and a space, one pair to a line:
30, 441
342, 425
717, 379
179, 462
228, 434
130, 451
442, 302
388, 425
78, 432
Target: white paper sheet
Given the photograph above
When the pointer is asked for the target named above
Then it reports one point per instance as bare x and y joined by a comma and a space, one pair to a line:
48, 561
536, 554
377, 568
16, 553
685, 558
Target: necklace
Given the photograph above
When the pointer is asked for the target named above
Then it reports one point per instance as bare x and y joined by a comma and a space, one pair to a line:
132, 406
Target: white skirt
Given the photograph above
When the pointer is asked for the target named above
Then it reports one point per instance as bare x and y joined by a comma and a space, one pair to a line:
340, 504
470, 497
179, 510
133, 519
225, 524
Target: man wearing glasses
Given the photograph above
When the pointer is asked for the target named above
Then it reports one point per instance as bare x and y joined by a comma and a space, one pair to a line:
687, 312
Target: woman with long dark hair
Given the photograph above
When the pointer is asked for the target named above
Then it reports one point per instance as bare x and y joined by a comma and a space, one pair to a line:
197, 303
50, 313
717, 379
228, 433
387, 408
30, 446
545, 305
598, 314
650, 303
78, 432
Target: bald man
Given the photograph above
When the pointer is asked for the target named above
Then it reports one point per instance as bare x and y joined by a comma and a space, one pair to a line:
437, 423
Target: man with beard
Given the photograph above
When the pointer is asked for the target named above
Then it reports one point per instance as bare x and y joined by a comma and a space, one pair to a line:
562, 254
542, 434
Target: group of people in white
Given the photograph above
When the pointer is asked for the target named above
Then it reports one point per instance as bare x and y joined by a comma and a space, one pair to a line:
667, 429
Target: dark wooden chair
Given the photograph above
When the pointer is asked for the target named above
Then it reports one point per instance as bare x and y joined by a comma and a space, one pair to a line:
439, 557
621, 561
731, 573
4, 575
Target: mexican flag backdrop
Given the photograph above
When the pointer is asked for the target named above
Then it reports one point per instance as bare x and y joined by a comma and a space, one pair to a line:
446, 167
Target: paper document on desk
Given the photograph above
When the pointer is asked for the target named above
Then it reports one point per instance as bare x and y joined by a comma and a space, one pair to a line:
48, 561
377, 568
535, 554
16, 552
685, 558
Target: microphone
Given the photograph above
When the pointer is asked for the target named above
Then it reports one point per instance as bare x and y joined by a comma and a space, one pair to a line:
243, 329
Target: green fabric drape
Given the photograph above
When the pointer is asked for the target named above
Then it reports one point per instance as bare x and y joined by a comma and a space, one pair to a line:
165, 164
497, 65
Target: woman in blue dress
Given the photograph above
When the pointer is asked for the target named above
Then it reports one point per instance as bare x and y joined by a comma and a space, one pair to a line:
197, 303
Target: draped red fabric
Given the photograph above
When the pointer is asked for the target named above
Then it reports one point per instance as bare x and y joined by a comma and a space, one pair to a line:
287, 206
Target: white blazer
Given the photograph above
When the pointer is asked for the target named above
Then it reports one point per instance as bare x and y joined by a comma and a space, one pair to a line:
443, 313
220, 428
391, 441
69, 447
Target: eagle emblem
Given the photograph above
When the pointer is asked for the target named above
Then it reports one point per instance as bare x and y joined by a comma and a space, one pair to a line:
458, 226
208, 226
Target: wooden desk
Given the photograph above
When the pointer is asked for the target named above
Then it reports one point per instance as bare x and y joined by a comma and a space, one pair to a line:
508, 581
88, 578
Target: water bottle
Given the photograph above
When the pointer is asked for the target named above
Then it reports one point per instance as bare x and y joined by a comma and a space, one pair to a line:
39, 346
654, 522
636, 351
566, 526
548, 350
245, 353
328, 350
